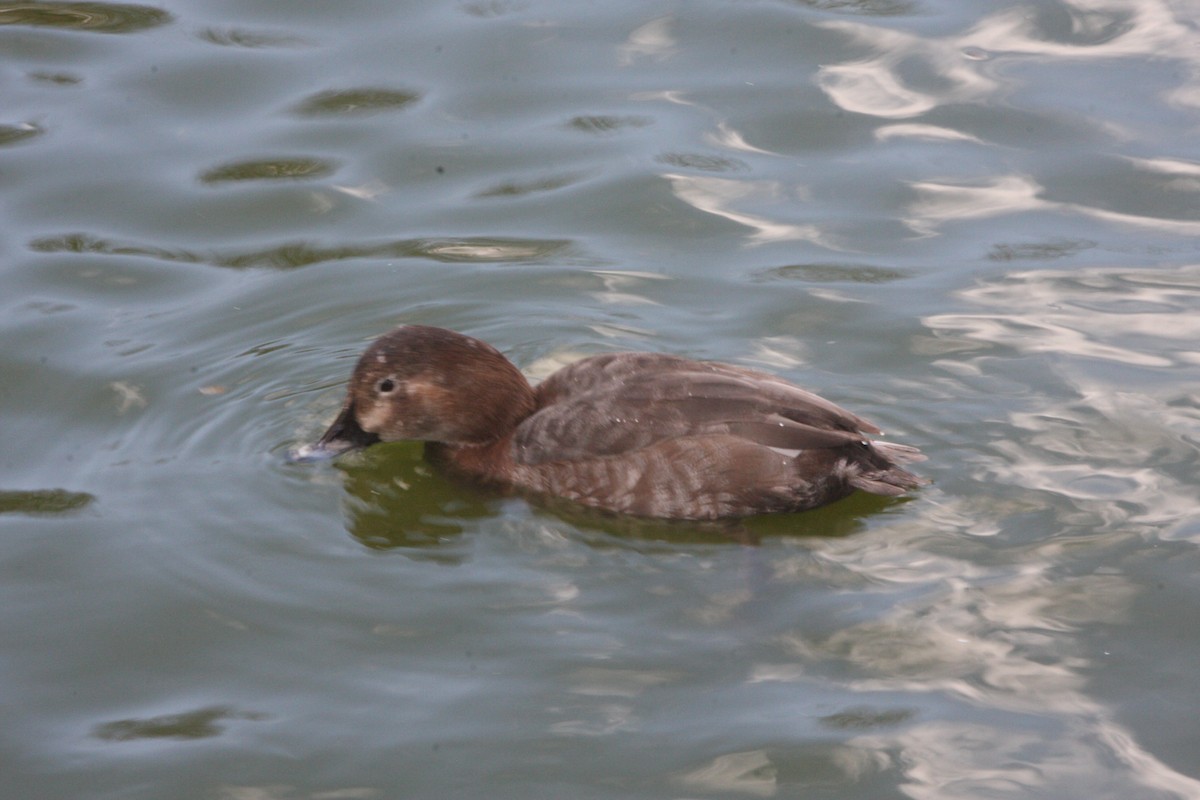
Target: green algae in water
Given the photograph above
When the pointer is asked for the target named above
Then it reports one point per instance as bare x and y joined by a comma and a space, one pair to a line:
43, 501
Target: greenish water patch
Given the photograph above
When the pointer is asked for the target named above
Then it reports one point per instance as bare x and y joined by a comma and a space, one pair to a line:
270, 169
832, 273
43, 501
356, 102
1039, 251
198, 724
864, 719
702, 162
604, 123
93, 17
868, 8
521, 188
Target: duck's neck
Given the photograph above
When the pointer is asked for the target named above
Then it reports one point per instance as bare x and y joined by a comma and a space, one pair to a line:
488, 461
488, 405
494, 402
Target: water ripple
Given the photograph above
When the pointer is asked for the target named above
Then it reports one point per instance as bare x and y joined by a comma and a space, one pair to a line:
607, 123
1120, 444
12, 134
478, 250
718, 196
269, 169
1148, 318
1003, 638
94, 17
880, 85
239, 37
356, 102
938, 202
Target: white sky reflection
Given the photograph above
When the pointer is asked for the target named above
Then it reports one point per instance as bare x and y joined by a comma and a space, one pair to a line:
1105, 29
1117, 440
719, 196
999, 638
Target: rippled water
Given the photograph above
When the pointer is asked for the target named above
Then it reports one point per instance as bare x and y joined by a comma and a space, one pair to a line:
972, 222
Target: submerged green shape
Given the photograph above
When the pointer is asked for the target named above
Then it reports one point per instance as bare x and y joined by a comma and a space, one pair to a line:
94, 17
702, 161
1039, 251
870, 8
862, 719
832, 273
518, 189
365, 100
198, 724
43, 501
269, 169
605, 123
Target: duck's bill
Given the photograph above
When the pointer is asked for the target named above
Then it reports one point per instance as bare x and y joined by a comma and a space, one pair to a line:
343, 435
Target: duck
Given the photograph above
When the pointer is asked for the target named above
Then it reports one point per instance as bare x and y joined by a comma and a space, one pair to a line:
634, 433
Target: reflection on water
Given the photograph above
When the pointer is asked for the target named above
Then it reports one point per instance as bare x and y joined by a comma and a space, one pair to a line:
878, 85
652, 40
720, 196
939, 203
907, 75
750, 773
996, 638
396, 499
1119, 443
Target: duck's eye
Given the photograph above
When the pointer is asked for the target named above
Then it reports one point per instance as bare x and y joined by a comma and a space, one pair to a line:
385, 386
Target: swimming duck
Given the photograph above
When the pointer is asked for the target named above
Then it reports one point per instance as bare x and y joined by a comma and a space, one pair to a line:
645, 434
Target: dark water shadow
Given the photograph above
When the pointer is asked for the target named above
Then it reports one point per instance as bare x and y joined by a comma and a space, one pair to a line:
358, 101
43, 501
269, 169
828, 272
867, 8
198, 724
396, 499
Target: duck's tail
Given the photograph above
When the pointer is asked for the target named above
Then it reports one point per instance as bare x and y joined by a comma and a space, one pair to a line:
880, 472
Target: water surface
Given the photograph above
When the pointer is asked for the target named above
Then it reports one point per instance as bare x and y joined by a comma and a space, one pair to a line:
974, 223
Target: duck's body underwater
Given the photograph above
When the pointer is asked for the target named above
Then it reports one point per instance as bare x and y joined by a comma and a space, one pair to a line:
645, 434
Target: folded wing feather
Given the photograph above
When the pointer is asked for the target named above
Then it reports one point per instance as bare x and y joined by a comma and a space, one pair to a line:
628, 401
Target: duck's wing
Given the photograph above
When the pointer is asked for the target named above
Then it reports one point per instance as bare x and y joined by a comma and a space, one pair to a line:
620, 403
